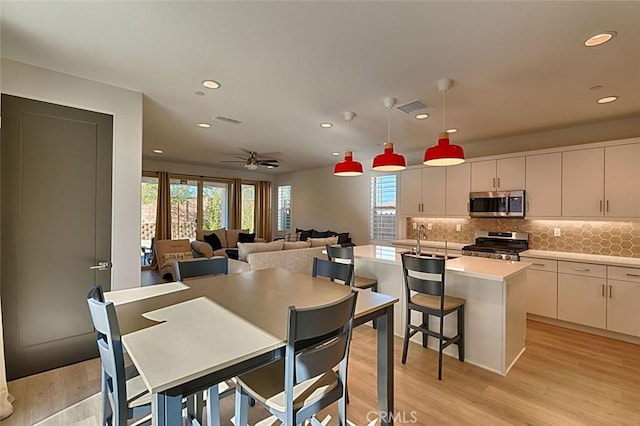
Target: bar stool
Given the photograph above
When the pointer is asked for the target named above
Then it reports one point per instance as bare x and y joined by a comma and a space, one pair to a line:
337, 253
430, 299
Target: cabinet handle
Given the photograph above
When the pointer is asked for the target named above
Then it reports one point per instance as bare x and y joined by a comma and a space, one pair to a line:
498, 182
538, 264
610, 291
527, 207
467, 207
600, 206
602, 290
494, 183
634, 275
607, 205
581, 269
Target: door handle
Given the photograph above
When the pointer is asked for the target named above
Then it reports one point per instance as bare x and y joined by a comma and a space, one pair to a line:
101, 266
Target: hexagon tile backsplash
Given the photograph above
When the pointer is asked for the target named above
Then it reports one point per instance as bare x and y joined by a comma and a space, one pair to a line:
589, 237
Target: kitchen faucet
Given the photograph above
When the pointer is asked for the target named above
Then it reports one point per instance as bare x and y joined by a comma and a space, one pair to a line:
420, 229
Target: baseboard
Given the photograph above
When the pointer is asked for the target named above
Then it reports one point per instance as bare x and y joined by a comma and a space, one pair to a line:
585, 329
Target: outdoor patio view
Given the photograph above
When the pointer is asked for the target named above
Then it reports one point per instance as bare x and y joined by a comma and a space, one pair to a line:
185, 209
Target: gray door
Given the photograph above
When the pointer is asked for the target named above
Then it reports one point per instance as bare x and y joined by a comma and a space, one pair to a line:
55, 225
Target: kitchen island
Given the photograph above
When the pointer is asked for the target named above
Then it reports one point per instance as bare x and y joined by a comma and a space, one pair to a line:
495, 311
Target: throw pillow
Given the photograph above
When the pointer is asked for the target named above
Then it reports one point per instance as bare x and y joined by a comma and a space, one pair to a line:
292, 245
202, 247
170, 257
321, 242
318, 234
304, 233
246, 238
213, 240
233, 235
232, 253
343, 238
245, 249
292, 236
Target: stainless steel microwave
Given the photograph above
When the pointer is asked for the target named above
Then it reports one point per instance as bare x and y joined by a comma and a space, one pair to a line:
497, 204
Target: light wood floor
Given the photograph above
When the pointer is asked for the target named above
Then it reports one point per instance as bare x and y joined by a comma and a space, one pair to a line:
564, 377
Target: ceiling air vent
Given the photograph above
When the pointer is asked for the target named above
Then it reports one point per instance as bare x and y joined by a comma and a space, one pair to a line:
410, 107
228, 120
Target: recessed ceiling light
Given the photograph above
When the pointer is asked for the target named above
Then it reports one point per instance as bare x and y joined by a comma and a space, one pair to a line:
599, 39
158, 151
422, 116
452, 130
335, 154
326, 125
204, 125
607, 99
211, 84
199, 93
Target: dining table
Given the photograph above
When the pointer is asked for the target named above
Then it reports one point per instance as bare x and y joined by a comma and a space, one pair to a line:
184, 337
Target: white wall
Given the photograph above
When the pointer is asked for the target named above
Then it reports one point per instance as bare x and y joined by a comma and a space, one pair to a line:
323, 201
126, 107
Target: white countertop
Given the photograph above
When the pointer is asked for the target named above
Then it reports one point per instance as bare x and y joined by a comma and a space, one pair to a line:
491, 269
580, 257
428, 243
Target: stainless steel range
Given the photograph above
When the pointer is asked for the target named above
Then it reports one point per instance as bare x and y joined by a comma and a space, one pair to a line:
498, 245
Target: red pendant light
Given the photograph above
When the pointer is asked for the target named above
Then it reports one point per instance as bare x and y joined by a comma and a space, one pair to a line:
389, 161
443, 154
348, 167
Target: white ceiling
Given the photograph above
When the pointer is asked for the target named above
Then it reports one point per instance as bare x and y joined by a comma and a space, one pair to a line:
285, 67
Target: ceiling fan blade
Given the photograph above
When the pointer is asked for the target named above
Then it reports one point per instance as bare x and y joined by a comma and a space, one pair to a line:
232, 161
268, 164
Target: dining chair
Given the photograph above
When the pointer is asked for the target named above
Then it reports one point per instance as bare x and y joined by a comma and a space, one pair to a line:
304, 382
336, 253
332, 270
218, 265
124, 394
426, 294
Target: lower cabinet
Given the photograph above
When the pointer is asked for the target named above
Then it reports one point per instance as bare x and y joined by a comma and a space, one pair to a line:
581, 293
623, 300
542, 287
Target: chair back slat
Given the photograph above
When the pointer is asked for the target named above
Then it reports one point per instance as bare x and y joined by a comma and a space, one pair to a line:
337, 253
313, 361
332, 270
198, 268
318, 338
413, 268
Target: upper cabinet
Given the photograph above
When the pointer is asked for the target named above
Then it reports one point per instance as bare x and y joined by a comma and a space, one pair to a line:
457, 189
498, 175
622, 181
543, 185
422, 191
601, 182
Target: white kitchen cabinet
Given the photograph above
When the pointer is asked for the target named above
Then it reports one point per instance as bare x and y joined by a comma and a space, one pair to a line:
498, 175
543, 185
622, 181
583, 183
422, 191
542, 287
458, 185
623, 300
582, 291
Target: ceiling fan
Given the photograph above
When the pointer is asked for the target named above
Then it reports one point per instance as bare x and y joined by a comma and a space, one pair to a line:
254, 160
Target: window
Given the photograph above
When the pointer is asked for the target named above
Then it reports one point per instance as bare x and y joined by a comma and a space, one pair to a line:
248, 206
284, 208
184, 208
383, 207
215, 205
149, 202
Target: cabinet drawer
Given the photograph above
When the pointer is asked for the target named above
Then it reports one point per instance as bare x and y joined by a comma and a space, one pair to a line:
586, 269
541, 264
623, 273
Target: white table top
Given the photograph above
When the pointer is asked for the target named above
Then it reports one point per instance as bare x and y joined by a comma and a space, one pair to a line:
491, 269
128, 295
181, 334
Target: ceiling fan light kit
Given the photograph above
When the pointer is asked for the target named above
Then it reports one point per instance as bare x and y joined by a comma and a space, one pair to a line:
444, 153
389, 161
254, 160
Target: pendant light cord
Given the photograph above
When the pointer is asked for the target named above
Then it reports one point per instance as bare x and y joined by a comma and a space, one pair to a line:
388, 124
444, 103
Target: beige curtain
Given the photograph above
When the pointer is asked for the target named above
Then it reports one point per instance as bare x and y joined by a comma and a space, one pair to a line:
6, 409
163, 213
263, 210
235, 220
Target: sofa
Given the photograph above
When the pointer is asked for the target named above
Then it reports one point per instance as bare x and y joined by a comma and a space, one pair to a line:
218, 242
168, 252
304, 234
